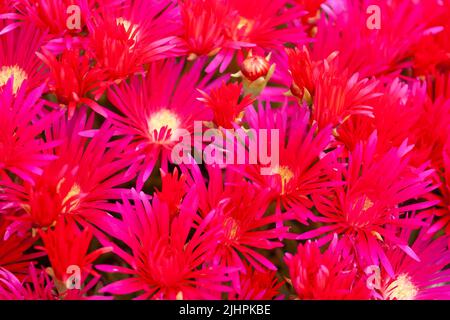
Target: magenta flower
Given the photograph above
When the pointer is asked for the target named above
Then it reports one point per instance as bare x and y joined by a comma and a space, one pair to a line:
165, 262
23, 119
153, 108
81, 181
424, 279
374, 196
19, 62
224, 149
37, 286
368, 51
263, 24
238, 209
304, 167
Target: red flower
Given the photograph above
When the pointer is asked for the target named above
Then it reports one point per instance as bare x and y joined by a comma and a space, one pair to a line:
256, 285
225, 104
335, 94
331, 275
67, 248
51, 15
73, 79
203, 26
123, 40
14, 248
343, 28
301, 69
399, 100
38, 285
264, 23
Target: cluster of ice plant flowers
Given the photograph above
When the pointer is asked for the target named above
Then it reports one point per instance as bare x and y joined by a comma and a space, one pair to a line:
224, 149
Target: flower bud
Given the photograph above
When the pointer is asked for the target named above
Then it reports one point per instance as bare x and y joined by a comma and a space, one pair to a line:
254, 67
255, 72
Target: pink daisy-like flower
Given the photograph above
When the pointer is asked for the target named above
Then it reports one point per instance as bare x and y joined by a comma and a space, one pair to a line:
317, 124
304, 166
21, 62
442, 210
240, 213
79, 183
432, 130
23, 119
153, 108
170, 255
426, 279
219, 28
432, 52
375, 195
328, 275
36, 286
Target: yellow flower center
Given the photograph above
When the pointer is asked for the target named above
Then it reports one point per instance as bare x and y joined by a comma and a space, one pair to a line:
245, 24
6, 72
402, 288
231, 228
367, 204
163, 119
286, 175
70, 201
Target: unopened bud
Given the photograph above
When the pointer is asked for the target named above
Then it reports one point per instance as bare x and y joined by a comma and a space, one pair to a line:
254, 67
255, 72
